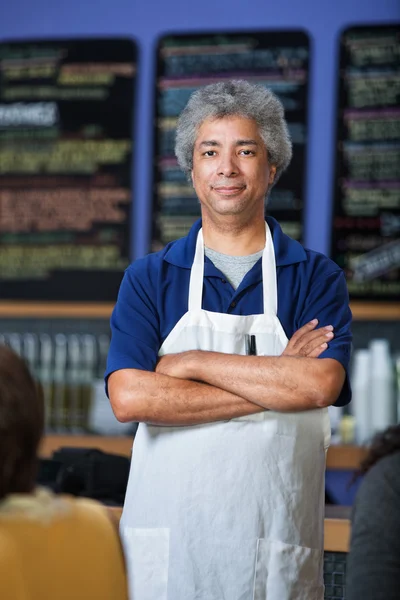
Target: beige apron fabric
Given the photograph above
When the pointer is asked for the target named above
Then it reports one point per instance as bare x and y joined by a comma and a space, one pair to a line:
231, 510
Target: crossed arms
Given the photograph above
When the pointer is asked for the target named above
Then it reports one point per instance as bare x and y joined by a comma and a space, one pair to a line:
196, 387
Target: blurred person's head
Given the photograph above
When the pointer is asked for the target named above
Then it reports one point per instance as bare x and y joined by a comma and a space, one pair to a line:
384, 443
21, 424
235, 99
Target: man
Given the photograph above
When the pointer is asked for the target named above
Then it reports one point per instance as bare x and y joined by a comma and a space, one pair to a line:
216, 352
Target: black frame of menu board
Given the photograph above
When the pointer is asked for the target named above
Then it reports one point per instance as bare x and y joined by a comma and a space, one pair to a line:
366, 204
287, 200
73, 242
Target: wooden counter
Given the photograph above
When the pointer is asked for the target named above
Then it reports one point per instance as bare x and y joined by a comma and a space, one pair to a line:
363, 311
345, 457
339, 457
113, 444
337, 523
336, 527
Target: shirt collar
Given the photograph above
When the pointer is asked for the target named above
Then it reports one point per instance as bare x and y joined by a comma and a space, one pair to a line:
287, 251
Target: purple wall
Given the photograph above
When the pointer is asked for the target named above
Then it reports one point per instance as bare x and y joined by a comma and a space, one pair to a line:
146, 21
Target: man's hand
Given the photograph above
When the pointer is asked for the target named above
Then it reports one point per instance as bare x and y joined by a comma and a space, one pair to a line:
306, 342
309, 342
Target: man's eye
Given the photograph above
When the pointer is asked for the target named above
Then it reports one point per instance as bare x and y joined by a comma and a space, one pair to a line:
209, 153
247, 152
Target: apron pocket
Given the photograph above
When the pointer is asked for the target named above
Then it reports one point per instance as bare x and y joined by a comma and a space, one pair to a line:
147, 558
287, 572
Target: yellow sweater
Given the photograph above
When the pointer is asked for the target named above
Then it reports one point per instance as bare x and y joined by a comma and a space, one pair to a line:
58, 548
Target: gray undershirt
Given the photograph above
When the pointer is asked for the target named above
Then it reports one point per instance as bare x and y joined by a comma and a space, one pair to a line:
233, 267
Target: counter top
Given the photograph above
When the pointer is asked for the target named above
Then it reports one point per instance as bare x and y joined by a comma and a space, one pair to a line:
339, 457
336, 527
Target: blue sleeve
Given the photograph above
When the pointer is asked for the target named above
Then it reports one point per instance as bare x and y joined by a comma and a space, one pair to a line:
328, 301
135, 338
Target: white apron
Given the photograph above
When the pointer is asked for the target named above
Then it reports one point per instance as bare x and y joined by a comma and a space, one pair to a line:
232, 510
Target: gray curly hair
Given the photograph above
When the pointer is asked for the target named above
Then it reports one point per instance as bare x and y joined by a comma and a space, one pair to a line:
236, 97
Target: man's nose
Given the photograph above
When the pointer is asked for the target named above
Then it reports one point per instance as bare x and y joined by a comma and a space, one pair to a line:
227, 166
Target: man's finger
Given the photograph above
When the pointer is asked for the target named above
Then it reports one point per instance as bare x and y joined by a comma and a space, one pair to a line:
303, 330
308, 339
308, 336
308, 348
312, 337
318, 350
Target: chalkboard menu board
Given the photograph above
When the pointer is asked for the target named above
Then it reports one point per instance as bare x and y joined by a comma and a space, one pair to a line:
277, 59
66, 111
366, 219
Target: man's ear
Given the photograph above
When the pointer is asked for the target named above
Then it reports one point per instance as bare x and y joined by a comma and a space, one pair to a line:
272, 173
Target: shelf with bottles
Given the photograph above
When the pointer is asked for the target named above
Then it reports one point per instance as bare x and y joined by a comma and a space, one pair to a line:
375, 380
361, 310
69, 364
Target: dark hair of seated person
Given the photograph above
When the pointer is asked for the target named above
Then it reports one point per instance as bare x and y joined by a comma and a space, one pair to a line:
385, 443
21, 424
373, 563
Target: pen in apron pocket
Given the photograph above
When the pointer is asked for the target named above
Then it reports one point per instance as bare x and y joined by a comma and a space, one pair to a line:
251, 345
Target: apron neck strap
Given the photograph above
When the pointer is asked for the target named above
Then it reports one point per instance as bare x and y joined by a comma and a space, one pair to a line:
268, 275
197, 275
270, 293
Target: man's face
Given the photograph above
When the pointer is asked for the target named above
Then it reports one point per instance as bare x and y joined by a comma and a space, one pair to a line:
231, 172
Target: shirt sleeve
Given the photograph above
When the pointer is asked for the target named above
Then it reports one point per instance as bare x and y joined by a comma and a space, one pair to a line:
135, 338
328, 301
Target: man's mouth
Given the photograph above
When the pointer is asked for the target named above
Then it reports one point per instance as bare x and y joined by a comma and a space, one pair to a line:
228, 190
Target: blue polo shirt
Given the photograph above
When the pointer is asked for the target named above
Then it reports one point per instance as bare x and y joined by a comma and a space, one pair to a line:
154, 296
